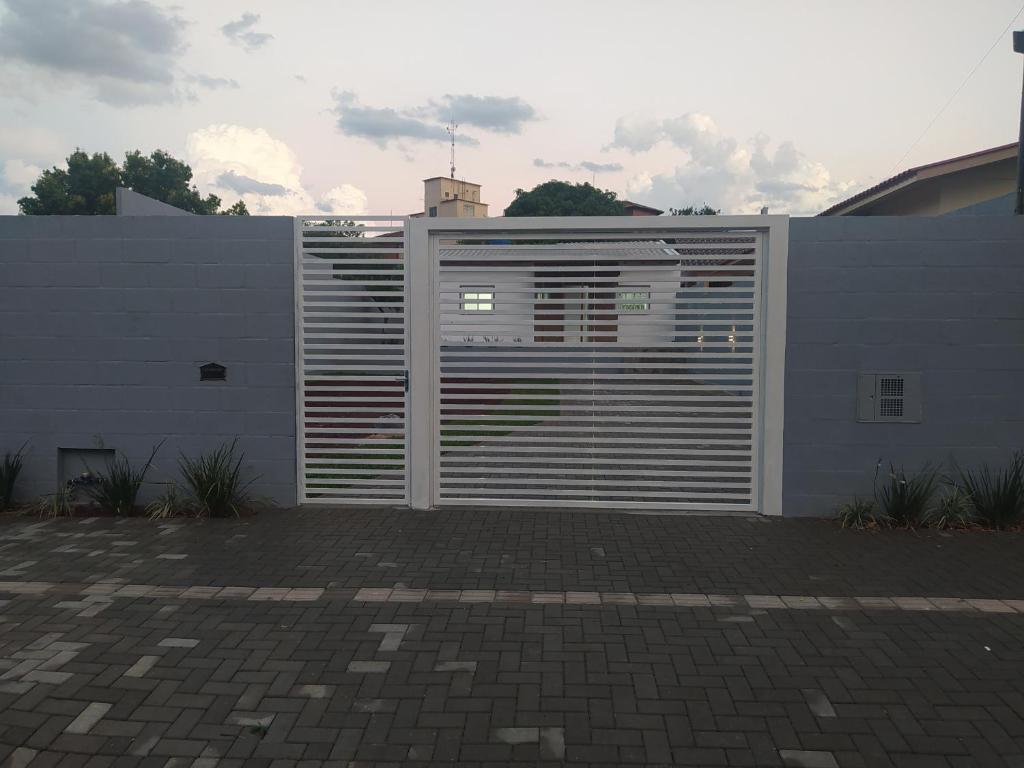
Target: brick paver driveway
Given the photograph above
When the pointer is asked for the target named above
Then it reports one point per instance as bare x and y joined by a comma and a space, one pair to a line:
316, 637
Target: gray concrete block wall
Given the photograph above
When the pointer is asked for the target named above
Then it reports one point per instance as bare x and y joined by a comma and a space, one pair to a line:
943, 296
104, 322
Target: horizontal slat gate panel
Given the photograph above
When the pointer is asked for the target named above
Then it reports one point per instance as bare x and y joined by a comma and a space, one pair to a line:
599, 370
352, 363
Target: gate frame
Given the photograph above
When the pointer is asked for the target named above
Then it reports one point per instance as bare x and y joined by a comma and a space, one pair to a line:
422, 319
298, 285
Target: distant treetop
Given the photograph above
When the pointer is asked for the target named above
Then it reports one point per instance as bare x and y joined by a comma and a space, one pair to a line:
562, 198
690, 210
87, 185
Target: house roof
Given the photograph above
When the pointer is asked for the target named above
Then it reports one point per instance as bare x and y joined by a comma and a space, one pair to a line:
641, 207
460, 200
449, 178
920, 173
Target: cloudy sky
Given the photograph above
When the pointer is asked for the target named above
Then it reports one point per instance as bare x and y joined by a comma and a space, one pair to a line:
340, 106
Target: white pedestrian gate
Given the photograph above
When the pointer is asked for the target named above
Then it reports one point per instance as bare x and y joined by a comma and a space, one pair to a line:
351, 351
603, 362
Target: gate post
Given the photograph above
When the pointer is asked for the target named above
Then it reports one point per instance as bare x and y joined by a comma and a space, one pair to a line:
421, 416
775, 291
300, 386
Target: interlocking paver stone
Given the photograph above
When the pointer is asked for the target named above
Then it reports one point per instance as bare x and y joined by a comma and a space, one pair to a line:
314, 691
800, 758
21, 757
990, 606
142, 666
88, 718
520, 638
50, 678
178, 642
819, 703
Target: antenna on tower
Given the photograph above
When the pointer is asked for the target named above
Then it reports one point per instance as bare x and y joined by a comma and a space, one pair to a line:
452, 128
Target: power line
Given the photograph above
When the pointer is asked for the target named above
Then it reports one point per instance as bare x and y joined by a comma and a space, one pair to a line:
956, 92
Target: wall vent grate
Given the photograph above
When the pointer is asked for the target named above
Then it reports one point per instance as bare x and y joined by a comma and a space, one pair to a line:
890, 396
893, 397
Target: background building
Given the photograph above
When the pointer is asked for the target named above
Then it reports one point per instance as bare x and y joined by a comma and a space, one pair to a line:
639, 209
978, 183
452, 198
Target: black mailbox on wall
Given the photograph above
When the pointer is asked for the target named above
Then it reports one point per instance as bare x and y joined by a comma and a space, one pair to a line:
213, 372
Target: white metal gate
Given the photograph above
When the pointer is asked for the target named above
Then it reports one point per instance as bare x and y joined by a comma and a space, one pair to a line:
606, 362
599, 362
351, 350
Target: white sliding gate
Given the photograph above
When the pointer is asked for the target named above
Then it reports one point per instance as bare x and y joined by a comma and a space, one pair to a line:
605, 362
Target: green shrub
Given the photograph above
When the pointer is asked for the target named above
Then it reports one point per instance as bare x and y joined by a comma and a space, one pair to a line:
58, 504
170, 503
215, 482
906, 499
859, 513
10, 468
117, 490
953, 510
997, 496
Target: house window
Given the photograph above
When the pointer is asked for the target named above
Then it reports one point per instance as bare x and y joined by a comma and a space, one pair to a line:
477, 299
467, 209
433, 210
634, 301
446, 194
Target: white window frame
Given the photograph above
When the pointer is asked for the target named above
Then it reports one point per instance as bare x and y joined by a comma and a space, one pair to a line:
638, 294
470, 301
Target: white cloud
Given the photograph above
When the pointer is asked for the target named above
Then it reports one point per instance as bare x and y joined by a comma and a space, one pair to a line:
242, 32
244, 185
637, 134
123, 51
382, 125
18, 173
639, 184
213, 83
720, 170
585, 165
492, 113
222, 154
41, 144
346, 199
16, 180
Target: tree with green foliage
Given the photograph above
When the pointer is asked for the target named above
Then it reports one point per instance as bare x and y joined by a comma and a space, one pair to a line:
87, 186
561, 198
166, 179
691, 210
238, 209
